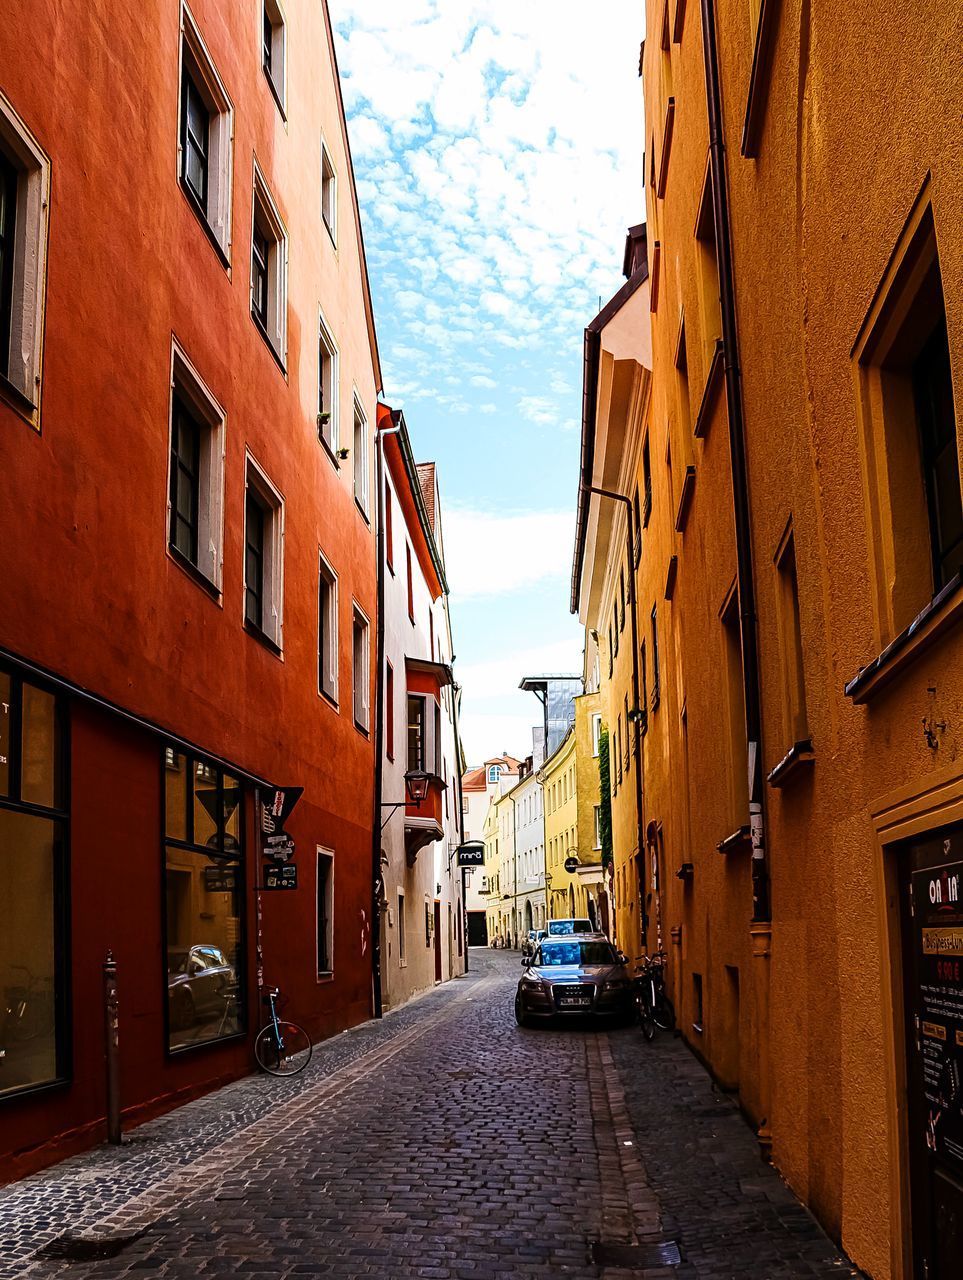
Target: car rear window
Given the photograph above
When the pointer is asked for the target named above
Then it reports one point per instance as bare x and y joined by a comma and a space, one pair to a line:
556, 954
556, 927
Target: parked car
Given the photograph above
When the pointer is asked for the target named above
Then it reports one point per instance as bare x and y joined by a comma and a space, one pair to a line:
575, 975
570, 926
531, 941
199, 983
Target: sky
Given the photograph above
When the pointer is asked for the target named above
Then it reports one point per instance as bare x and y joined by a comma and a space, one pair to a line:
497, 147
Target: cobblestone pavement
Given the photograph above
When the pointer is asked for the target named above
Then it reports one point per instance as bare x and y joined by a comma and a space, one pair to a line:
442, 1143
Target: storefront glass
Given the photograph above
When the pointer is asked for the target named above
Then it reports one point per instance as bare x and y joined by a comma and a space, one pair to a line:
204, 902
32, 870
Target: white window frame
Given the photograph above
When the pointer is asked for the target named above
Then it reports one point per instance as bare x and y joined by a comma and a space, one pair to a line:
402, 936
22, 384
187, 382
220, 170
279, 52
362, 459
277, 317
494, 768
329, 193
327, 341
598, 826
271, 499
361, 689
321, 851
326, 571
596, 731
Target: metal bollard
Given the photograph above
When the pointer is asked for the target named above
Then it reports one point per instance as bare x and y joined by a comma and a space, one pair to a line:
112, 1047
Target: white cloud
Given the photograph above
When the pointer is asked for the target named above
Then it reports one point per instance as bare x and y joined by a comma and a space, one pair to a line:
493, 554
482, 380
538, 409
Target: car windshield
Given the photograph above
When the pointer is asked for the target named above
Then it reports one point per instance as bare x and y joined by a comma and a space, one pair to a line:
556, 954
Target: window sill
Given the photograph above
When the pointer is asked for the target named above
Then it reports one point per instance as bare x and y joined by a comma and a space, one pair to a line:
326, 975
667, 130
35, 1090
330, 232
670, 576
275, 94
362, 728
797, 759
270, 345
332, 456
201, 215
364, 515
192, 571
709, 391
16, 399
262, 638
685, 498
330, 699
178, 1050
942, 613
733, 843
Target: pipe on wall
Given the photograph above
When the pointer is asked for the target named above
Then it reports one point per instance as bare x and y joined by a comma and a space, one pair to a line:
761, 907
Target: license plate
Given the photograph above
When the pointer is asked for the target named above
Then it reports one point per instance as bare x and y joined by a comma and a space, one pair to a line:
575, 1002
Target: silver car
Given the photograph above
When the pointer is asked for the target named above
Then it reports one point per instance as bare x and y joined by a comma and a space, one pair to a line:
581, 975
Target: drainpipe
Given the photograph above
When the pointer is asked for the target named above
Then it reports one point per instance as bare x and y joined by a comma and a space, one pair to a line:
633, 614
376, 876
761, 910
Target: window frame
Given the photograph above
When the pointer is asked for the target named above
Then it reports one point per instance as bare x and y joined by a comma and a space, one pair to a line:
275, 24
328, 575
266, 218
361, 690
329, 193
389, 711
328, 350
259, 490
324, 975
421, 763
361, 469
196, 64
402, 938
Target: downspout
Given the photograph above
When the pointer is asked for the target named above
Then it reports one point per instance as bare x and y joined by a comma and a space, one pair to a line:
761, 909
376, 876
587, 488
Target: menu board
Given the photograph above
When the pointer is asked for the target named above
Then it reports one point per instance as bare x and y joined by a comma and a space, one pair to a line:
938, 925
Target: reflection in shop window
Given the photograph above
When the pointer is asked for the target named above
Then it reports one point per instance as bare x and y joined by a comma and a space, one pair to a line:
32, 871
204, 901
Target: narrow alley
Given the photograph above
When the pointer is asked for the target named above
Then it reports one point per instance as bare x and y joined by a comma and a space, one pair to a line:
442, 1142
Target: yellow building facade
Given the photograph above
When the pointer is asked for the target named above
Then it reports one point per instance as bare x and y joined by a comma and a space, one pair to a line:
799, 533
560, 793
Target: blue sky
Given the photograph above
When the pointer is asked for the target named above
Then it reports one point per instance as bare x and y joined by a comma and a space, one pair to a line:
498, 155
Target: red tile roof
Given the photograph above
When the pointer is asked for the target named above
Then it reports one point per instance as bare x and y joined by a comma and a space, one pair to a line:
477, 779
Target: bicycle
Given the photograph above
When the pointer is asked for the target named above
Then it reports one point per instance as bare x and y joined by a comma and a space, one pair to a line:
281, 1048
654, 1007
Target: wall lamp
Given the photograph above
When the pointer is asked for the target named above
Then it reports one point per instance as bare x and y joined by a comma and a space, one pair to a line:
416, 791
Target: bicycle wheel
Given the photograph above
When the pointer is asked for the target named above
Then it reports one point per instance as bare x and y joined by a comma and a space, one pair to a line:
646, 1023
283, 1052
664, 1014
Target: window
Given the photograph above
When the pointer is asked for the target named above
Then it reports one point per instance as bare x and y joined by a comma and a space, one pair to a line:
697, 1003
637, 535
464, 804
361, 669
325, 907
389, 529
196, 475
389, 711
644, 680
361, 467
494, 773
621, 599
618, 746
327, 630
682, 382
24, 209
263, 556
402, 957
708, 264
647, 483
205, 138
656, 679
269, 253
416, 733
329, 193
327, 387
32, 886
735, 710
598, 826
203, 902
428, 923
273, 49
615, 626
933, 395
437, 726
790, 635
411, 585
611, 651
596, 731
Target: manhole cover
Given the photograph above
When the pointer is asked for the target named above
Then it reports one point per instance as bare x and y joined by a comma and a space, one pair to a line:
86, 1248
637, 1256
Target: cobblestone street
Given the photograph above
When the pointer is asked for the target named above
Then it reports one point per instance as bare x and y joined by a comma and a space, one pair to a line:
443, 1142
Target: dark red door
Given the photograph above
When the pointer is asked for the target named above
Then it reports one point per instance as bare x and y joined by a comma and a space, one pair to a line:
438, 942
932, 895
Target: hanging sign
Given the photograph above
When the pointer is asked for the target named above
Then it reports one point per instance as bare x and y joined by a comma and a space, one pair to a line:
276, 808
571, 864
471, 854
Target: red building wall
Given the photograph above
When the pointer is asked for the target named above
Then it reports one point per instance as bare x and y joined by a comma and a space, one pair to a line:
89, 590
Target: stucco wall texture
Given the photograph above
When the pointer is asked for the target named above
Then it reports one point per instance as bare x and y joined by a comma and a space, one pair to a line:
861, 126
90, 591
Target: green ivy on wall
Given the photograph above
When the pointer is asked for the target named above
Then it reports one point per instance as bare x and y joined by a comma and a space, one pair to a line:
605, 797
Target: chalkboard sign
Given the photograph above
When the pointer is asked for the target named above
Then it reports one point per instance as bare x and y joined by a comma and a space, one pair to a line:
281, 877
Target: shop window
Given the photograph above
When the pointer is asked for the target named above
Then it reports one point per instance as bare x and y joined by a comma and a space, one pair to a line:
361, 466
269, 270
196, 475
24, 208
790, 631
735, 710
33, 871
329, 193
416, 733
273, 49
361, 669
263, 557
204, 902
205, 138
327, 387
325, 909
327, 630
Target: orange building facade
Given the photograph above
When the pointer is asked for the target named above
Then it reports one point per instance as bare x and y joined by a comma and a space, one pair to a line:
188, 385
798, 568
